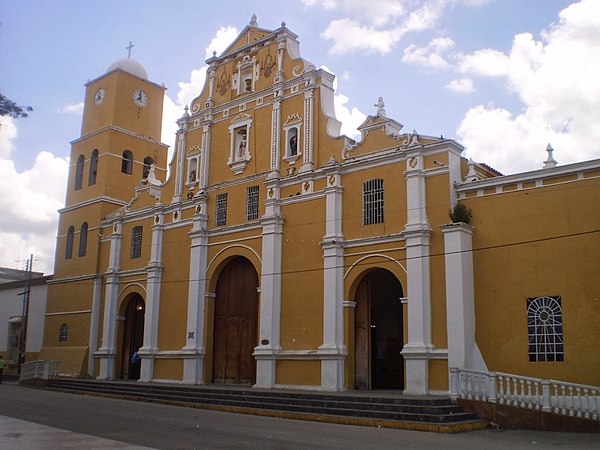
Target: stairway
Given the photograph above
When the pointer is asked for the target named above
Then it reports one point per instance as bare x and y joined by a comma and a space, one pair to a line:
368, 408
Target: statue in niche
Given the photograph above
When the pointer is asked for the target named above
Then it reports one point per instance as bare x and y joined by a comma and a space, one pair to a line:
248, 82
242, 144
294, 145
192, 175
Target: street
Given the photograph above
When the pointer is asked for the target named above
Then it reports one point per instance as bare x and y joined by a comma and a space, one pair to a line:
162, 426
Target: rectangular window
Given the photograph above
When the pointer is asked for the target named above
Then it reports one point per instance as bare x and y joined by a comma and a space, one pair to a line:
545, 329
136, 242
373, 201
221, 209
252, 203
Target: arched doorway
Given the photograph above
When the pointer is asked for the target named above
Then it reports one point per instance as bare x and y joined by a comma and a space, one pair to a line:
378, 332
235, 326
133, 336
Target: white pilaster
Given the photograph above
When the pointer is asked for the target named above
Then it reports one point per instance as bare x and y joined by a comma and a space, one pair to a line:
270, 290
194, 350
307, 155
205, 156
107, 352
180, 146
94, 323
460, 303
333, 350
153, 285
275, 136
416, 351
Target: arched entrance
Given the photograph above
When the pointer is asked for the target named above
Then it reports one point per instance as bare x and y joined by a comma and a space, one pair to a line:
378, 332
235, 326
133, 335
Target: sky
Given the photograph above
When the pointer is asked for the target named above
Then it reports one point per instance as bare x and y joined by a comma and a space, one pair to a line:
502, 77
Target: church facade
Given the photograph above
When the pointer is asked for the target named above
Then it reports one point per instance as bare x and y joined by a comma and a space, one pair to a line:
271, 251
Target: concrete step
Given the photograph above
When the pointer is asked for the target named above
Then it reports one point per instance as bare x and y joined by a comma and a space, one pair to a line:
361, 408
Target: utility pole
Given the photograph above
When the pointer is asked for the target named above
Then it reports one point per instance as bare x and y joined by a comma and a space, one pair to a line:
25, 315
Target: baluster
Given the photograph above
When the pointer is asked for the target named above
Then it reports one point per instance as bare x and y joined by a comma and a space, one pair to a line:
584, 404
492, 391
577, 406
528, 395
522, 393
501, 390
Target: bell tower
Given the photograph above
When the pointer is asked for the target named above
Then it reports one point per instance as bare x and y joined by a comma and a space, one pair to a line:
119, 142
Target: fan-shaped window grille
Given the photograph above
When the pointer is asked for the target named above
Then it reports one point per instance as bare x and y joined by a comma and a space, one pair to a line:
545, 329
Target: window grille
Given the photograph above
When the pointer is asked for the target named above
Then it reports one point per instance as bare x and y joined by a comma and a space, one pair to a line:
69, 246
63, 333
127, 162
93, 168
83, 239
221, 209
373, 201
252, 203
136, 242
79, 172
545, 329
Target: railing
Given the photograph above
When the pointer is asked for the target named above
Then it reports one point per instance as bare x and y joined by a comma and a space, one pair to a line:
41, 370
551, 396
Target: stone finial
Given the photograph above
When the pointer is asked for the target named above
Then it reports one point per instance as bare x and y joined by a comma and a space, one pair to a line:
471, 175
186, 111
283, 24
253, 21
550, 162
380, 107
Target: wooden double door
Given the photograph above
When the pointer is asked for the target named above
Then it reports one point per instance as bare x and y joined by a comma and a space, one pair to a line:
378, 332
235, 323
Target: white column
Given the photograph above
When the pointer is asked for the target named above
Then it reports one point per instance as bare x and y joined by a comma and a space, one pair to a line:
94, 323
107, 352
333, 350
460, 303
416, 351
205, 156
194, 350
270, 290
153, 285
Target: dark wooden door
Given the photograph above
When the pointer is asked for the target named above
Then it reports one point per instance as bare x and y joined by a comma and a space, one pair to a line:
379, 332
235, 329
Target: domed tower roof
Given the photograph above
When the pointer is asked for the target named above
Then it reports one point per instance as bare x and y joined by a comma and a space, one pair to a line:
129, 65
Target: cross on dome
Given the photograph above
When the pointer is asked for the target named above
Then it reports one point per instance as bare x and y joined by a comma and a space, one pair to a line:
128, 48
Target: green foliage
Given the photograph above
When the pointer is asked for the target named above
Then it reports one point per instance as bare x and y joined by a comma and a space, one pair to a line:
11, 109
460, 213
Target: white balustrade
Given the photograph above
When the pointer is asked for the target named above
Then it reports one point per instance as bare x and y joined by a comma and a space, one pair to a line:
41, 370
553, 396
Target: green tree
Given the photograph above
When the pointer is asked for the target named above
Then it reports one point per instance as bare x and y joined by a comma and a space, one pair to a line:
11, 109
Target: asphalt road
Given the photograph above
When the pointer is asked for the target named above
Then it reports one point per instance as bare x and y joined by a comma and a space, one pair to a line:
170, 427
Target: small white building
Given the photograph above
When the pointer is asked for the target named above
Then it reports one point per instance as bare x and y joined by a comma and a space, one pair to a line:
12, 295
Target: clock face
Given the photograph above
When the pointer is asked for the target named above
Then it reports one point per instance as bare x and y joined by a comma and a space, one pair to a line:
140, 98
99, 96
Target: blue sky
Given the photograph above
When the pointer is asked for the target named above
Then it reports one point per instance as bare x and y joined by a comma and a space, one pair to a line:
503, 77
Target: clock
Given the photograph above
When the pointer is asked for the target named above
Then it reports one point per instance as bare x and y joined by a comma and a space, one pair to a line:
140, 98
99, 96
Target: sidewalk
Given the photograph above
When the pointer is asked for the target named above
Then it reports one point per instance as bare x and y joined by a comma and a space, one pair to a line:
15, 433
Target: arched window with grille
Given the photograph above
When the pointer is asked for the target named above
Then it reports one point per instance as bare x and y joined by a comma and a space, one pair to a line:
79, 172
83, 239
545, 329
63, 334
127, 163
93, 168
69, 245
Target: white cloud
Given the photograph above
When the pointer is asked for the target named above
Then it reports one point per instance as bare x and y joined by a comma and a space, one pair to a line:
29, 207
430, 56
75, 108
556, 79
461, 85
486, 62
351, 118
376, 26
8, 131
